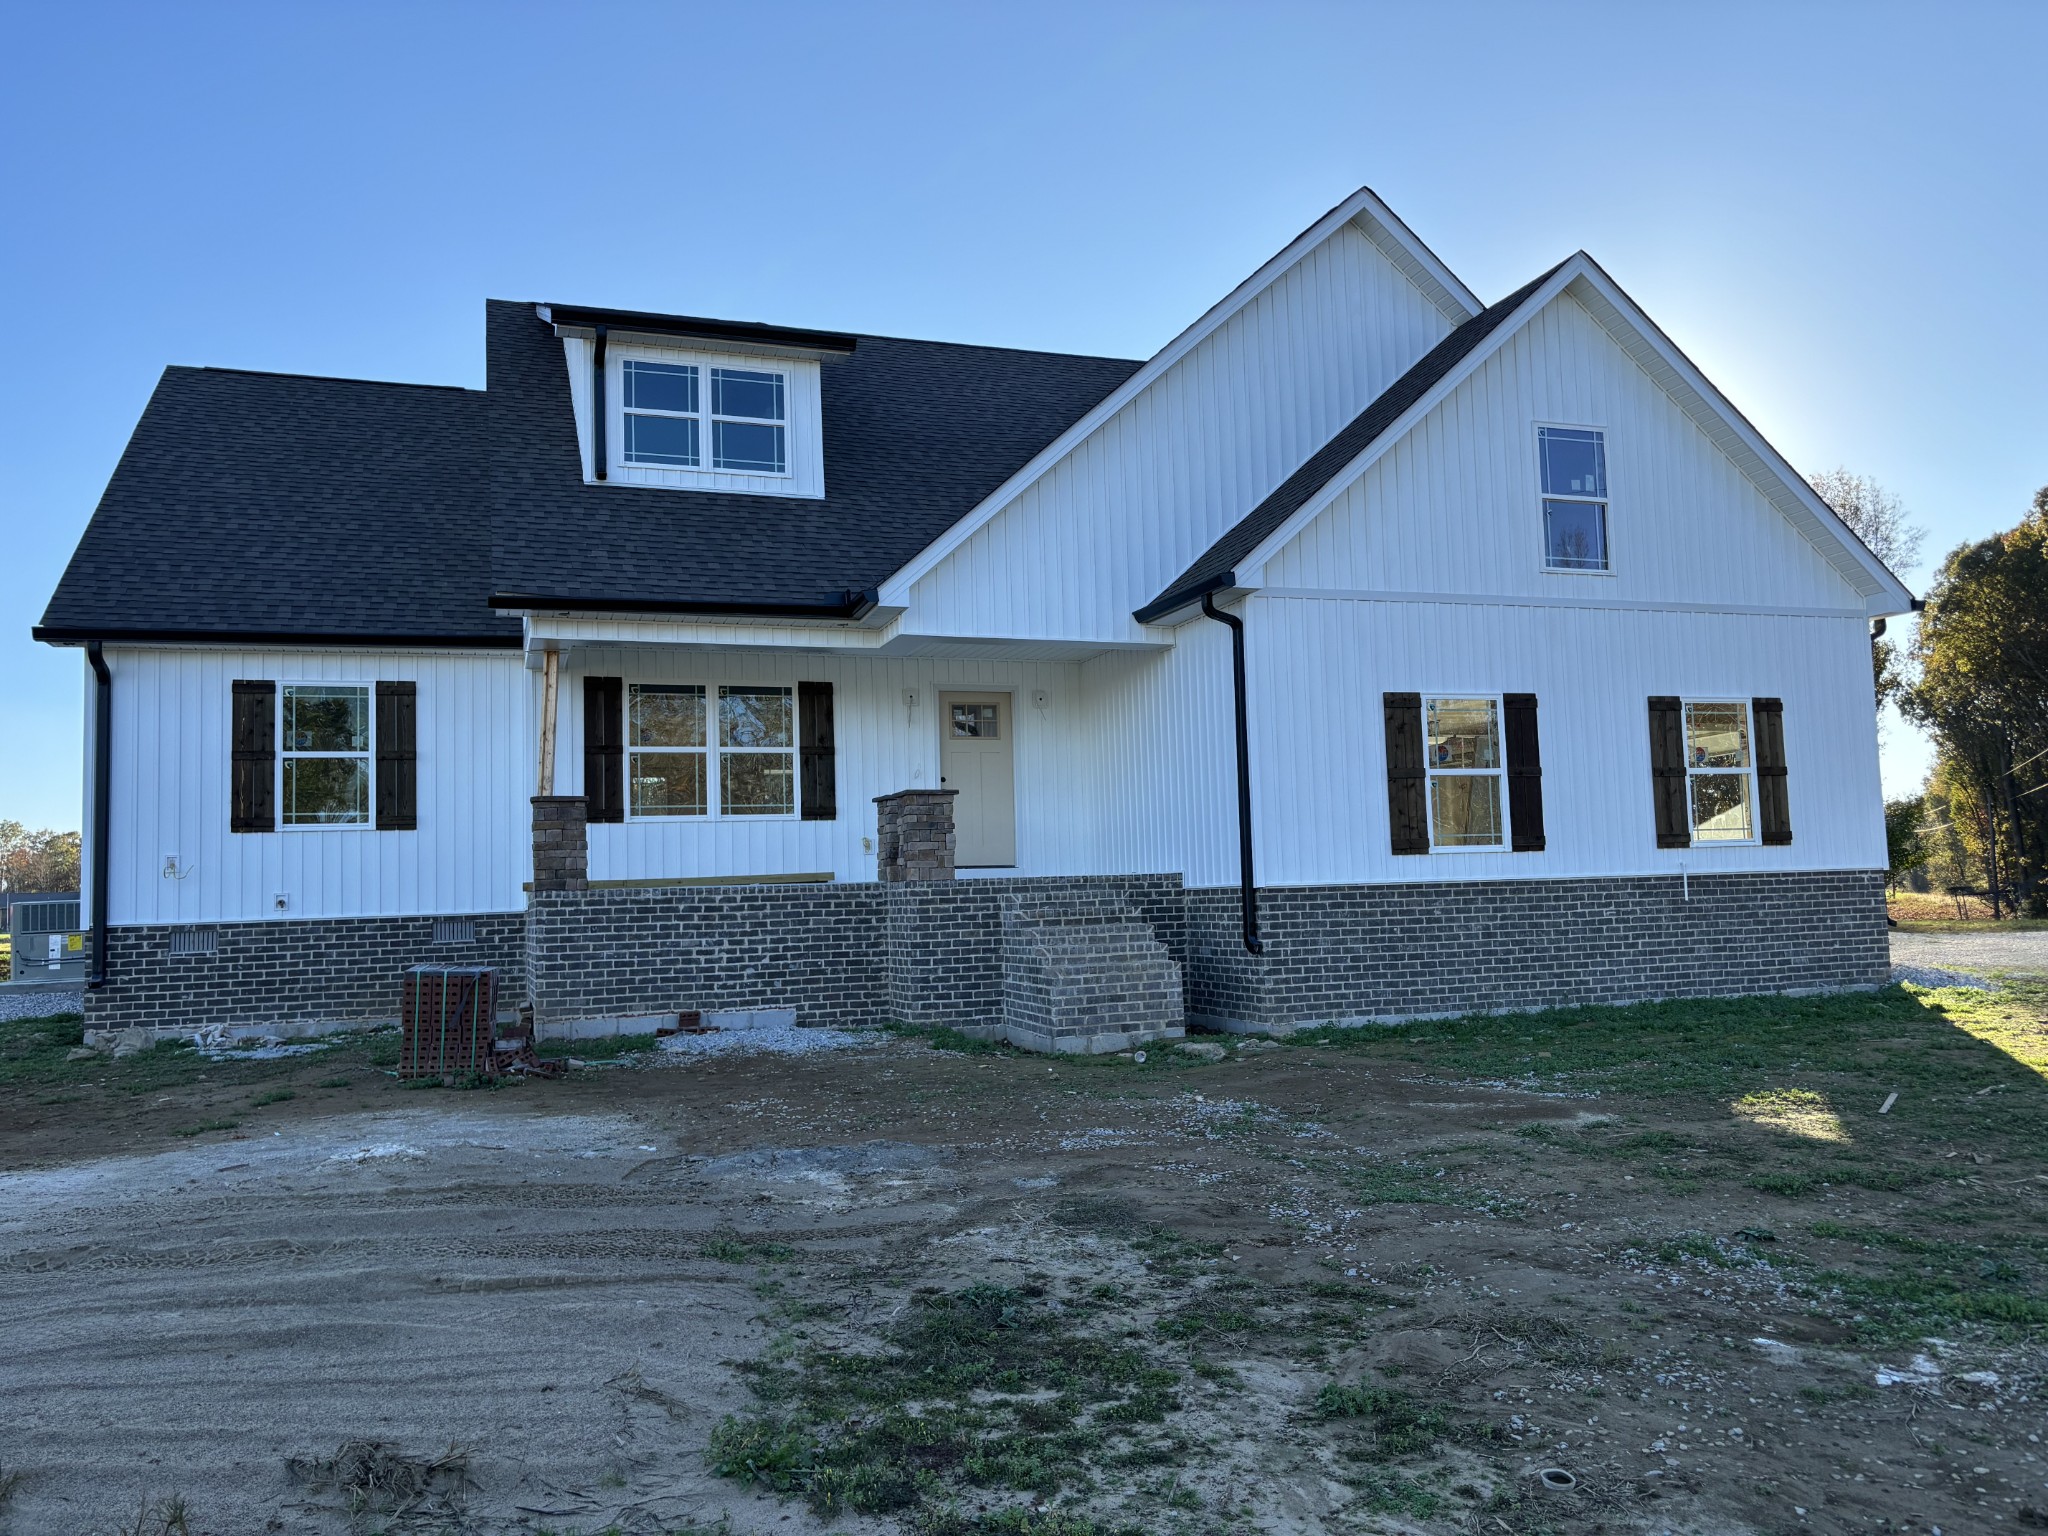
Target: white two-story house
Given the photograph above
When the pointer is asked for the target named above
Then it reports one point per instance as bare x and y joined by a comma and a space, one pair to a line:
1376, 651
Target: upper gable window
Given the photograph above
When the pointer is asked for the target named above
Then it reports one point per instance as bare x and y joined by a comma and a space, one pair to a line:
1574, 468
667, 426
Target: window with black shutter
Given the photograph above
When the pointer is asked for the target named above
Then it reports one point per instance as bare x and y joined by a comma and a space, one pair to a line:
1525, 771
252, 794
397, 789
1667, 773
604, 748
818, 768
1774, 805
1407, 778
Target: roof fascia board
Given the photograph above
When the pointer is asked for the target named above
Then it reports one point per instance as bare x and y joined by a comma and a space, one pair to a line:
1733, 433
1251, 570
581, 320
1363, 204
67, 634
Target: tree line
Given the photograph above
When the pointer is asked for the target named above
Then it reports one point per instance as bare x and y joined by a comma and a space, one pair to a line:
36, 861
1976, 679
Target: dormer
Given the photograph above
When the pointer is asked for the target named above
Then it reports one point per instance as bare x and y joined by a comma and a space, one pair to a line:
678, 403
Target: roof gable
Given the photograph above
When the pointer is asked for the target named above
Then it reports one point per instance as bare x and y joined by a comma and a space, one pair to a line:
1236, 559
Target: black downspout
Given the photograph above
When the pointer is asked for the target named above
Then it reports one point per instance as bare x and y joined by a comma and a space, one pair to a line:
1248, 890
102, 795
597, 412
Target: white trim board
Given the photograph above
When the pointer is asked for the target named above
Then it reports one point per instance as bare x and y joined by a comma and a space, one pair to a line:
1375, 220
1504, 600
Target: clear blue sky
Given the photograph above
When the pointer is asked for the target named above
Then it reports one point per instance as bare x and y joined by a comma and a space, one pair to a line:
1840, 211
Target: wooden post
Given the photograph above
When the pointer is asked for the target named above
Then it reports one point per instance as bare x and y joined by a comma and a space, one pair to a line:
550, 676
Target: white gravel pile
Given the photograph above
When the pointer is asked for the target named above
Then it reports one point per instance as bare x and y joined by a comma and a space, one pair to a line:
38, 1005
765, 1039
1934, 976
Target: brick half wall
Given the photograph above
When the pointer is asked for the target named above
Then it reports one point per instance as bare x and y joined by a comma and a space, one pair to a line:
1358, 952
290, 976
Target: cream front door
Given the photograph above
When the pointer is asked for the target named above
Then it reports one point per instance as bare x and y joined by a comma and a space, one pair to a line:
975, 758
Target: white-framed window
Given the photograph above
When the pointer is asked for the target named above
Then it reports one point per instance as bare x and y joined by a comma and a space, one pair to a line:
1467, 790
673, 767
1573, 465
1720, 771
325, 746
667, 762
679, 415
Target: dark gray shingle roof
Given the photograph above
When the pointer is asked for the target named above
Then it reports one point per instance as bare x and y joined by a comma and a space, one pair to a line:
1217, 563
258, 504
268, 504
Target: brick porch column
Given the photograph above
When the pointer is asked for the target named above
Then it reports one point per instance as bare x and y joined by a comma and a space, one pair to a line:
561, 843
915, 839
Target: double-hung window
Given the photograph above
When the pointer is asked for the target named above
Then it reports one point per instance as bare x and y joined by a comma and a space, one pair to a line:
668, 425
756, 752
1574, 466
324, 767
674, 769
1461, 744
666, 770
1720, 771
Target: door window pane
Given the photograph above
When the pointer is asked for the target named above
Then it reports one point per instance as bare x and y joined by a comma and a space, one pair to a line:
1464, 810
977, 720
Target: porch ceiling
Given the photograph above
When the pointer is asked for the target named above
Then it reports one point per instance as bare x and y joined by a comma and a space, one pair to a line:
876, 635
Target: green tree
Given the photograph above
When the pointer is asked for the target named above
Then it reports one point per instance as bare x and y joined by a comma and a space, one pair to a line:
41, 860
1905, 839
1982, 689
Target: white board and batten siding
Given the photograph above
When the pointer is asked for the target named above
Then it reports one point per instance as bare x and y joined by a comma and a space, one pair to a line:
172, 741
1456, 506
1134, 503
884, 744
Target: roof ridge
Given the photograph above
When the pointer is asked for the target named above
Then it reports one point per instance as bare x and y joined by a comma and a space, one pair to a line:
319, 378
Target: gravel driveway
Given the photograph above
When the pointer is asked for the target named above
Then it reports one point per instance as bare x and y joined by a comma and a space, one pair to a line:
1984, 953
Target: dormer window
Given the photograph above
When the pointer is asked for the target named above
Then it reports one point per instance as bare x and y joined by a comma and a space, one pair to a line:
665, 419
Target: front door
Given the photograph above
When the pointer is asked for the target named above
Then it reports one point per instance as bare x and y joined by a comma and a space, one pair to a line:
975, 759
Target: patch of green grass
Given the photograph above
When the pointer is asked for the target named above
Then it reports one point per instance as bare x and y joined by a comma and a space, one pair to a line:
33, 1051
941, 1038
274, 1096
986, 1388
334, 1082
728, 1249
602, 1048
207, 1125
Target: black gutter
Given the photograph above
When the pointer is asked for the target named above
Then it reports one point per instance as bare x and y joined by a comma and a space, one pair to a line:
1248, 890
578, 317
851, 605
597, 412
1184, 597
69, 634
102, 796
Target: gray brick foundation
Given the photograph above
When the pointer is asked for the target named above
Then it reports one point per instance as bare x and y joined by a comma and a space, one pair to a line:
290, 977
1360, 952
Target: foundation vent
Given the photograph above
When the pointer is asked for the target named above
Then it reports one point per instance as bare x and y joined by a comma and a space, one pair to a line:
194, 941
454, 930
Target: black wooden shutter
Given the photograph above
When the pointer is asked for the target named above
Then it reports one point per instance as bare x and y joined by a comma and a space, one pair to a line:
604, 748
1525, 772
252, 794
1407, 778
1774, 807
1667, 773
817, 752
398, 778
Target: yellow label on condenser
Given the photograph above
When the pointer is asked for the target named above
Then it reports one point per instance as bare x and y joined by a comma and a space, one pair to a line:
75, 942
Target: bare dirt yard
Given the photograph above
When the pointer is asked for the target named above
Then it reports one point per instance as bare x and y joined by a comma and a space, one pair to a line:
1671, 1268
